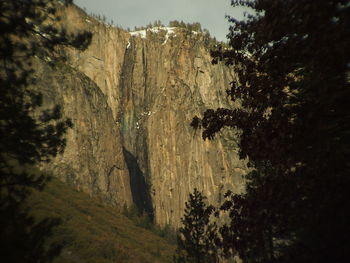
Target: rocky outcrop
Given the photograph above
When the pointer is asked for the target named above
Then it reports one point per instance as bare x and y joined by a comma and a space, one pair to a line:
93, 159
132, 98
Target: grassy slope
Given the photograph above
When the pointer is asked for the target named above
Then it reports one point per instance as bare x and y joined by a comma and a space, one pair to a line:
93, 232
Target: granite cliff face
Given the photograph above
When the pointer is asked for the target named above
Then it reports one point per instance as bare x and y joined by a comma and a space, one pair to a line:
93, 160
132, 98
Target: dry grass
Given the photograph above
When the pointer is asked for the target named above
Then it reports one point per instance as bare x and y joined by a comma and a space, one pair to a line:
93, 232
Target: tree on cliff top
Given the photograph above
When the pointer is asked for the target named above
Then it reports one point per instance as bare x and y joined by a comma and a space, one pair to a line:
197, 236
26, 30
292, 58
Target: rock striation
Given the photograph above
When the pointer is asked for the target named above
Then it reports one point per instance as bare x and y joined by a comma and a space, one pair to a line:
132, 97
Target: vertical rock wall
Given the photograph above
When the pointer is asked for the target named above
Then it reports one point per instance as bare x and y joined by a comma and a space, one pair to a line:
163, 86
93, 160
148, 88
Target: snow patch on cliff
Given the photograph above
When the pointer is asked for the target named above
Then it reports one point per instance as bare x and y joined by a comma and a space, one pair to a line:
143, 33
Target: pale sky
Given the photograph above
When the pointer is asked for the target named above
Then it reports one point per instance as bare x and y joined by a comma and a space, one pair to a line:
130, 13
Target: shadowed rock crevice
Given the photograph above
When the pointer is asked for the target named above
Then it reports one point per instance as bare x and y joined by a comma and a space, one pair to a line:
139, 188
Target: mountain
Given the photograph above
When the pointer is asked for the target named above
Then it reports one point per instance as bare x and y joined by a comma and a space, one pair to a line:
131, 97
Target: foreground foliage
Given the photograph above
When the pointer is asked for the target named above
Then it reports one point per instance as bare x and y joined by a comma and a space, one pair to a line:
198, 235
292, 59
28, 135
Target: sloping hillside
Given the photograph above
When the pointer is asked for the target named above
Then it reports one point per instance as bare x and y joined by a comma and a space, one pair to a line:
93, 232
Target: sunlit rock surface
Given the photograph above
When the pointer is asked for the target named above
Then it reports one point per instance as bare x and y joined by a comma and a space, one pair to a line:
132, 98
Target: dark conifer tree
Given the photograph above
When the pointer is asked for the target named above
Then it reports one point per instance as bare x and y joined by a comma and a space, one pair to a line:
27, 29
197, 236
292, 59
